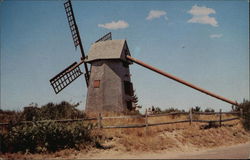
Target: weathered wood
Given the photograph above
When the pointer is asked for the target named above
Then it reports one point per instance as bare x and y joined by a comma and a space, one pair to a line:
144, 125
164, 123
153, 124
220, 117
180, 80
126, 126
230, 119
124, 117
59, 121
146, 122
190, 116
149, 115
166, 114
100, 120
211, 113
223, 120
241, 113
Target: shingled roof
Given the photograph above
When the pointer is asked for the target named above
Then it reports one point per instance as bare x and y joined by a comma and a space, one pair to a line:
110, 49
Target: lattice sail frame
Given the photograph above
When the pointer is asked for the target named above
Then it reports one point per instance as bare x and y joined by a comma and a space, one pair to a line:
107, 36
72, 23
64, 78
68, 75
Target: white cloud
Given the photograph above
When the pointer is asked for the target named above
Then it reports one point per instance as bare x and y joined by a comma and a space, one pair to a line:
197, 11
204, 20
215, 35
115, 25
202, 15
156, 14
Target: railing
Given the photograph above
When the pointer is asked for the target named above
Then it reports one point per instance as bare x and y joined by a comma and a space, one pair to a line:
146, 116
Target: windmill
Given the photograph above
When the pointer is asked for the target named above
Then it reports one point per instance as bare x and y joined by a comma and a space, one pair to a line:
109, 85
108, 81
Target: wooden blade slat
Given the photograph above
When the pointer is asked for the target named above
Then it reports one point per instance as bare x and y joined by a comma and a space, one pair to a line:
64, 78
72, 22
107, 36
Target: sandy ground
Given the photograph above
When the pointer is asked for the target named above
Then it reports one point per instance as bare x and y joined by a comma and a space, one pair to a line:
239, 151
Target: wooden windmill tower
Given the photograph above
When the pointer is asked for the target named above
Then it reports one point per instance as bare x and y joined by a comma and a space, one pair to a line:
110, 87
108, 81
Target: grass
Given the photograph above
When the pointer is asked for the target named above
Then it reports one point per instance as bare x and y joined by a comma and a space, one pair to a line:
177, 137
172, 137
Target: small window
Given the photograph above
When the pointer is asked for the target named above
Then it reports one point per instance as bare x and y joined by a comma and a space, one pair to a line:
128, 87
96, 83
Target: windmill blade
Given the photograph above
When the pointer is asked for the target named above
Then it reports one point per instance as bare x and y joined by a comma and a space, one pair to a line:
72, 23
106, 37
75, 34
67, 76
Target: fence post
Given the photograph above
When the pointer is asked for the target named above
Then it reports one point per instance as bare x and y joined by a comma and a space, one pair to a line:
146, 122
190, 116
100, 120
220, 117
241, 113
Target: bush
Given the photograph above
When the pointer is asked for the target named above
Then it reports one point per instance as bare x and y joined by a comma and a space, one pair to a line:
196, 109
209, 110
245, 105
46, 137
7, 115
32, 113
52, 111
158, 110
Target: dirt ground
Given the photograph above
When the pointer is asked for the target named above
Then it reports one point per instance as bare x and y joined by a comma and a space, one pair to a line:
239, 151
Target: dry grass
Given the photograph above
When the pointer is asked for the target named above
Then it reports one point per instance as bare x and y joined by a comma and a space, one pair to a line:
181, 136
171, 137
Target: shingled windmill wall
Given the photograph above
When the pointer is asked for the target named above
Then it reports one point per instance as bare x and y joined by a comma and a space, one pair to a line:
110, 87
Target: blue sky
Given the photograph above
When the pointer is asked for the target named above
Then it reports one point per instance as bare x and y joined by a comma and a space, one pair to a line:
203, 42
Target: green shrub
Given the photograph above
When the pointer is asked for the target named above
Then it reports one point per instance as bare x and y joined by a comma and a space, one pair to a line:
52, 111
32, 113
196, 109
245, 105
209, 110
158, 110
7, 116
46, 137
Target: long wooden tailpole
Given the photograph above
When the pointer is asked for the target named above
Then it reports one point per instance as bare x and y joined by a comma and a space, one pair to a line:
181, 81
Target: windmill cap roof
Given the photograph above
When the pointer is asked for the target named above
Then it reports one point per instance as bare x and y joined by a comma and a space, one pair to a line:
109, 49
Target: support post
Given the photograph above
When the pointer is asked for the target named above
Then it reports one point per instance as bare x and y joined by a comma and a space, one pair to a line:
146, 122
190, 116
100, 120
241, 113
180, 80
220, 117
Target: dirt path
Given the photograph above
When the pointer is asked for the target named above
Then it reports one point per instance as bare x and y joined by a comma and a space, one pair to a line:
240, 151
